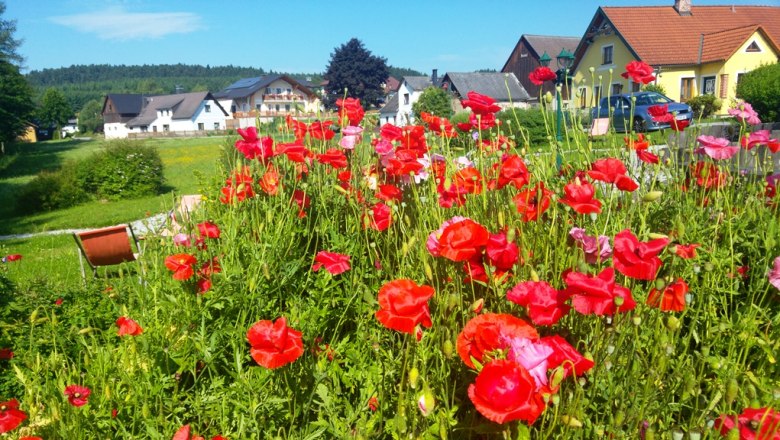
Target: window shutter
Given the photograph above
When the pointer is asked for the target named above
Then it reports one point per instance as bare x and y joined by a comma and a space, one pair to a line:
724, 85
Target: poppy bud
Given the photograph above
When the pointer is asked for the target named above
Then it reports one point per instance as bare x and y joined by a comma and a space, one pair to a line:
733, 435
447, 349
426, 402
501, 219
571, 422
477, 306
557, 377
660, 284
620, 417
650, 433
341, 190
652, 196
548, 98
619, 301
511, 235
453, 301
428, 271
677, 434
732, 389
534, 276
414, 374
750, 391
656, 236
708, 267
637, 320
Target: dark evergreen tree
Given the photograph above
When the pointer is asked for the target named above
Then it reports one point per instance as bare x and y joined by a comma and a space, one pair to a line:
354, 68
8, 44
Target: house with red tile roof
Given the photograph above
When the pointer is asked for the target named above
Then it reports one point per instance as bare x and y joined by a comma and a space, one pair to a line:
694, 49
525, 57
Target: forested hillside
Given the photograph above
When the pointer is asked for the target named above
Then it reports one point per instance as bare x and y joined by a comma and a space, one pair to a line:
82, 83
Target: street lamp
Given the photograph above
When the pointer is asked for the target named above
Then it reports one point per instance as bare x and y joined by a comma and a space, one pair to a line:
565, 60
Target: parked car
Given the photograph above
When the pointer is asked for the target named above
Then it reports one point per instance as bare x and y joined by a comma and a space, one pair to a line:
624, 118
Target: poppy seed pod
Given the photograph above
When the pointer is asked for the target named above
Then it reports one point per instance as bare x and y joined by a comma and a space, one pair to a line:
414, 374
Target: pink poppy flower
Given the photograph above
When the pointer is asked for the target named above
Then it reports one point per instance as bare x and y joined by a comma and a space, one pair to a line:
716, 148
77, 395
774, 274
760, 137
596, 249
744, 112
433, 239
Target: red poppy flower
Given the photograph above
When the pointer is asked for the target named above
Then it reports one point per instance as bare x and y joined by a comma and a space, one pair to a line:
686, 251
475, 271
30, 437
302, 200
637, 259
373, 403
639, 72
512, 170
463, 240
270, 181
389, 192
480, 104
598, 295
390, 132
333, 157
181, 265
379, 217
440, 126
128, 326
544, 304
708, 175
640, 145
351, 109
580, 195
504, 391
321, 130
208, 230
484, 121
752, 424
542, 74
671, 298
468, 180
612, 170
77, 395
403, 305
273, 343
332, 262
12, 257
403, 163
566, 356
488, 332
6, 354
679, 124
532, 203
295, 151
252, 147
502, 253
10, 416
298, 127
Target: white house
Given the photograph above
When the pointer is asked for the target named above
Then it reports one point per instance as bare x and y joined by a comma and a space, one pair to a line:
398, 109
266, 97
183, 113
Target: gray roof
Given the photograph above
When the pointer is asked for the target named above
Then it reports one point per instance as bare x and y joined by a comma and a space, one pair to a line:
125, 103
247, 86
418, 83
183, 105
391, 106
503, 87
551, 44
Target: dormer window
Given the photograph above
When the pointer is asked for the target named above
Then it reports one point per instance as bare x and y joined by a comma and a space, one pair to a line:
753, 47
207, 108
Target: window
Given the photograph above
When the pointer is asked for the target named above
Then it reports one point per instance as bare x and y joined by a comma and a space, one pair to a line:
287, 107
267, 90
753, 47
201, 127
583, 97
144, 128
277, 107
635, 87
233, 108
606, 55
617, 88
154, 128
216, 126
258, 106
278, 90
289, 91
686, 89
596, 93
708, 85
166, 128
207, 108
406, 99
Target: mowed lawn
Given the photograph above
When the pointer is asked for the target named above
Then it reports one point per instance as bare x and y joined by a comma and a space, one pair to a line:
55, 256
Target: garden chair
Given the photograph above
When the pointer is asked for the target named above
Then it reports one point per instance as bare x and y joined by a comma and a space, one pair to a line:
598, 127
106, 247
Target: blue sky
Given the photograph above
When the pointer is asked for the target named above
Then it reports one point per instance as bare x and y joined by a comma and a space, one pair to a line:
294, 36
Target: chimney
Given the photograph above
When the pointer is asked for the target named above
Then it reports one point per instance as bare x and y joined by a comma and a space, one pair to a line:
683, 7
435, 77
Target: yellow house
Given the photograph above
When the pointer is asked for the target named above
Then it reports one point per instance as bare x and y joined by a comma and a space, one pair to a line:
694, 50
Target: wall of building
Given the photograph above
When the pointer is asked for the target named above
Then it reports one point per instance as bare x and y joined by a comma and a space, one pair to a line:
603, 75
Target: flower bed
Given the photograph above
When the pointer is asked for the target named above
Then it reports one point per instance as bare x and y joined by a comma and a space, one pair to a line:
431, 281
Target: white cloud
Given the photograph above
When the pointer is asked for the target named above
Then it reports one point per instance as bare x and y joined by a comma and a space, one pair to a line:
118, 24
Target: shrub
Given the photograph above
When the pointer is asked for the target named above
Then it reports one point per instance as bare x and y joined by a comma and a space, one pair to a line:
761, 88
435, 101
704, 105
531, 120
123, 169
51, 190
654, 88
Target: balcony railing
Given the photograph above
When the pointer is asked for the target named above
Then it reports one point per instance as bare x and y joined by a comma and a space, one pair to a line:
269, 113
282, 97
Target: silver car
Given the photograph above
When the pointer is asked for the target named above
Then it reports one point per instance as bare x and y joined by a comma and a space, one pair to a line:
624, 118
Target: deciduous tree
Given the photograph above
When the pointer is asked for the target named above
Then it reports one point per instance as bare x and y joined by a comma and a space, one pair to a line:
55, 109
354, 68
91, 117
435, 101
